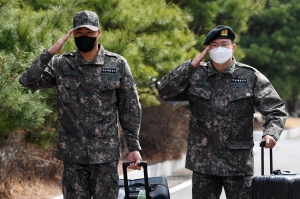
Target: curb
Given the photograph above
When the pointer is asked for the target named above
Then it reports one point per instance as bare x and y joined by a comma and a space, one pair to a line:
168, 167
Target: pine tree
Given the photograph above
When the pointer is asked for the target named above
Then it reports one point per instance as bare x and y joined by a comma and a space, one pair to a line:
273, 47
152, 36
18, 109
209, 14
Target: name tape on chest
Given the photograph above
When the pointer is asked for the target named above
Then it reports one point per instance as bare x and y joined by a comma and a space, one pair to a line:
239, 82
108, 72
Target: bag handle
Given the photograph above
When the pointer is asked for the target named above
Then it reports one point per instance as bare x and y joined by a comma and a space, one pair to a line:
262, 145
144, 165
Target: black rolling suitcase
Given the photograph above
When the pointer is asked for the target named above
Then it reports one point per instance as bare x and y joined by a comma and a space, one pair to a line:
154, 187
277, 185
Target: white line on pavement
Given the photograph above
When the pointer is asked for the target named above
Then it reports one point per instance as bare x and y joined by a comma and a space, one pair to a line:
180, 186
58, 197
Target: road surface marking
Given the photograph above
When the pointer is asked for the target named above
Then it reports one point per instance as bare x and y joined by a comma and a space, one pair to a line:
180, 186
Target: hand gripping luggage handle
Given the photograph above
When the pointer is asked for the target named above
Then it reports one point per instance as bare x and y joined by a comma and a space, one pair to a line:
144, 165
262, 145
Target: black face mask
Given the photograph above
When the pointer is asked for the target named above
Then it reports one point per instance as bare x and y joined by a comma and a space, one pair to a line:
84, 43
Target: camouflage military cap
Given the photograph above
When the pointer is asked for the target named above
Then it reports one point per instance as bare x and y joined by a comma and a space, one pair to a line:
86, 19
219, 32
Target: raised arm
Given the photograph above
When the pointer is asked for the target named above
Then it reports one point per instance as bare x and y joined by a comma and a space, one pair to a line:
35, 75
272, 107
174, 85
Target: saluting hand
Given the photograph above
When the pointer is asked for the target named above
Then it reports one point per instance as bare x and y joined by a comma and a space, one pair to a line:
59, 44
199, 58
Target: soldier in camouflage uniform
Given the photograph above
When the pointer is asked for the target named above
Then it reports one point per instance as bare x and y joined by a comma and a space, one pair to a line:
222, 94
94, 89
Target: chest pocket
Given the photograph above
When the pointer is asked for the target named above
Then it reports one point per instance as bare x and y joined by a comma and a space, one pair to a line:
199, 99
241, 102
200, 92
71, 82
108, 90
68, 88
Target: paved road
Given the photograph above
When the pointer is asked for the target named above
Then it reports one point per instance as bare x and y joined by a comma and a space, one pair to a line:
286, 156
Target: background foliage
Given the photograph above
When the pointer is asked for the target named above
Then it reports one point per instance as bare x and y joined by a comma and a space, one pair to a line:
274, 47
154, 36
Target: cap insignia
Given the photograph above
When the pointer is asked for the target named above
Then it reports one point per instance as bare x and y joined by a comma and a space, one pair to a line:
224, 32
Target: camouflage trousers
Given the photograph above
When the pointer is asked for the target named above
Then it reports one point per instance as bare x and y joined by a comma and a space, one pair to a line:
100, 181
210, 187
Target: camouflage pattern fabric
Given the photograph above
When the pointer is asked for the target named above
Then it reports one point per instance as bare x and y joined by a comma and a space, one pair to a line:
220, 139
91, 97
210, 187
86, 19
99, 181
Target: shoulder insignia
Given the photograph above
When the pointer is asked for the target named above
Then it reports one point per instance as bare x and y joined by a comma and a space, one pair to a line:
127, 69
247, 66
263, 79
126, 66
108, 53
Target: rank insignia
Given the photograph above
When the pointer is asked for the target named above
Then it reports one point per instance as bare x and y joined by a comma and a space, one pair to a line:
224, 32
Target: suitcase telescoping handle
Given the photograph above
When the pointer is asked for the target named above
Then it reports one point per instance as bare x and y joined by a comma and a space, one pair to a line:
262, 145
144, 165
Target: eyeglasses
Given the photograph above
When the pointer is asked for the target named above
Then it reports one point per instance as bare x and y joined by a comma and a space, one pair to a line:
223, 44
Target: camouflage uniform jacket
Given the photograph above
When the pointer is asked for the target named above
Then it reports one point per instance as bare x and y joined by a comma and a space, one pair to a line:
91, 97
220, 139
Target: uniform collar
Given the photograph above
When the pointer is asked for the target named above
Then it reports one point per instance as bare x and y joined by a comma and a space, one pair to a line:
229, 70
99, 59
